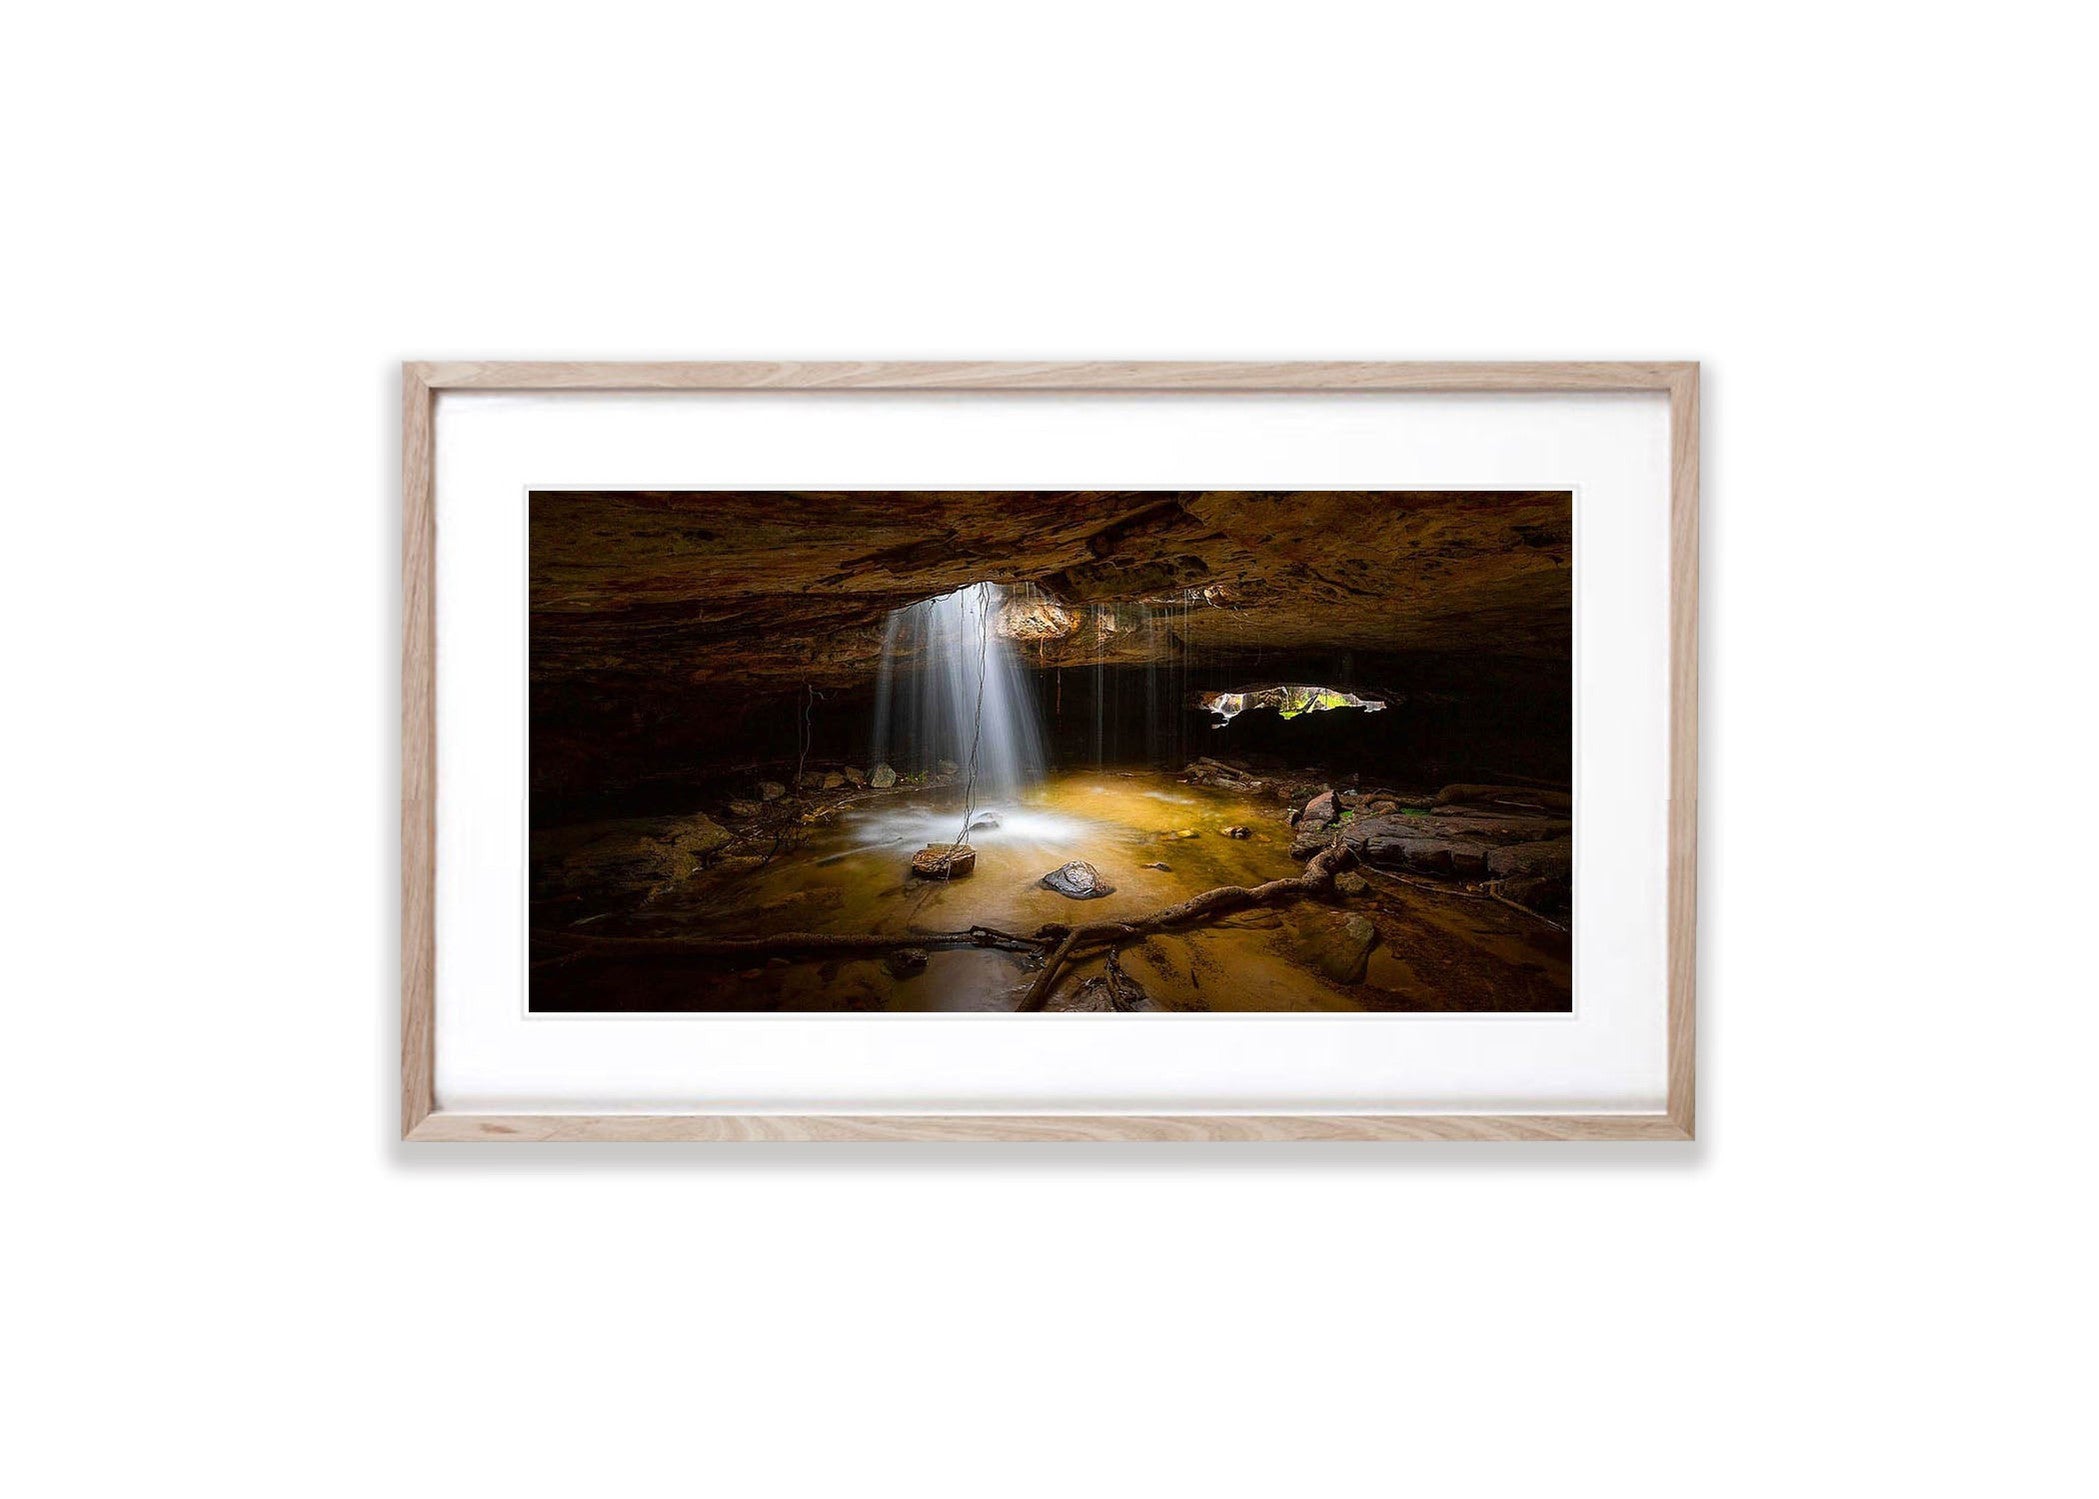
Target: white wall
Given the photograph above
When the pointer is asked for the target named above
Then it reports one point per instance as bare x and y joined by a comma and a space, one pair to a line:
229, 223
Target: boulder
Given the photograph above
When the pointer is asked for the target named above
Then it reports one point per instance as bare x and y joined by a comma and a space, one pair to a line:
1351, 883
1505, 796
700, 834
881, 778
1552, 858
1338, 946
944, 861
832, 780
906, 962
1404, 843
770, 791
946, 767
854, 776
1319, 811
984, 820
1077, 880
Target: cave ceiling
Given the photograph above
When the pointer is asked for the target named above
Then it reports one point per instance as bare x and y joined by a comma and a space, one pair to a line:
776, 589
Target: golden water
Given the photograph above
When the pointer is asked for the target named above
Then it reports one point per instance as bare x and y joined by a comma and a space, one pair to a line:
850, 874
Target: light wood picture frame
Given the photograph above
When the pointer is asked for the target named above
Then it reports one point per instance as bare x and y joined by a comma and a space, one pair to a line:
422, 382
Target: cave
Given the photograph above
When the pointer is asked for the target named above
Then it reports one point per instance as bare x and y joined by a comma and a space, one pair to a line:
1050, 752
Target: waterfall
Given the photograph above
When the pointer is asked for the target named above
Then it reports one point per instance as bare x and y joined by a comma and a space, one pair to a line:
942, 660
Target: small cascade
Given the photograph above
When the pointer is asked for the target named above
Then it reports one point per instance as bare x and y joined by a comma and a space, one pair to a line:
951, 688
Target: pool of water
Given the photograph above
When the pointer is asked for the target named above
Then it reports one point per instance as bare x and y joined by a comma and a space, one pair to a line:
1156, 840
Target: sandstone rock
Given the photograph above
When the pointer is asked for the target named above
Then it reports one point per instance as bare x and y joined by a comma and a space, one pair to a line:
770, 791
1404, 843
1338, 946
1078, 880
1238, 832
1543, 860
881, 778
944, 861
906, 962
700, 834
1404, 567
1505, 796
1319, 811
854, 776
832, 780
1156, 865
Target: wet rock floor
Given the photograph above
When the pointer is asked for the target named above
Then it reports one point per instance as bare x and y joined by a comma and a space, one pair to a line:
1411, 931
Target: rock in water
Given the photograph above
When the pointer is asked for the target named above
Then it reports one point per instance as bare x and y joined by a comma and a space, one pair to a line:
1238, 832
1341, 949
906, 962
947, 767
984, 820
881, 778
1319, 811
1351, 884
1079, 880
944, 861
770, 791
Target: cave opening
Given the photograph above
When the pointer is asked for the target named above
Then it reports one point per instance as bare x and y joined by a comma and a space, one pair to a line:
879, 752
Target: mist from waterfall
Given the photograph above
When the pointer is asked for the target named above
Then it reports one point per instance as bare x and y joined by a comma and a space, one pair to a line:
943, 659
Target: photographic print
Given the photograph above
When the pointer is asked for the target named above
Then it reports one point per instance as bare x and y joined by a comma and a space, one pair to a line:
1023, 752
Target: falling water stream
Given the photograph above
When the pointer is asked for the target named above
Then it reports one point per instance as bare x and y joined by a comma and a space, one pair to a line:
951, 688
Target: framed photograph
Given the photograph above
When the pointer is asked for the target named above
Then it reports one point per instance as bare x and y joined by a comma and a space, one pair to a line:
1049, 751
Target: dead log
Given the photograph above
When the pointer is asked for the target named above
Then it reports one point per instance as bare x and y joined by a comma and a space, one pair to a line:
1318, 879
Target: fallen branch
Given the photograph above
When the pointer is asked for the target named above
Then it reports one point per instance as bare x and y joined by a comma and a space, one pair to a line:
1318, 879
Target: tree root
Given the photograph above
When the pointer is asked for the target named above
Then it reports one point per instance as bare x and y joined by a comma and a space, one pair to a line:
1485, 892
1318, 879
1060, 942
